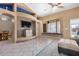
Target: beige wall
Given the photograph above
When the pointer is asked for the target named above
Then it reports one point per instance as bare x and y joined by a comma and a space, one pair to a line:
65, 17
39, 28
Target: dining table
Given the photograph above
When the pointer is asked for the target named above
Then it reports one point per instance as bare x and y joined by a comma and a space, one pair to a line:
4, 35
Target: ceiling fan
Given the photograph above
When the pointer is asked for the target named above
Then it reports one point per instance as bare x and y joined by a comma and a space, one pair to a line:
59, 5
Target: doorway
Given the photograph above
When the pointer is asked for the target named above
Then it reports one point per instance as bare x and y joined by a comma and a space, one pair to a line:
44, 28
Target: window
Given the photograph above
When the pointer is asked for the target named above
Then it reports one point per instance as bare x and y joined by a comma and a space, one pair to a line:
74, 28
53, 27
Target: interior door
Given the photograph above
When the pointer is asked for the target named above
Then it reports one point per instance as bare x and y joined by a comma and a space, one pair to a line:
44, 28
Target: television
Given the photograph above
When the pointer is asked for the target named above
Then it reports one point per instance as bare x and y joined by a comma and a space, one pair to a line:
25, 24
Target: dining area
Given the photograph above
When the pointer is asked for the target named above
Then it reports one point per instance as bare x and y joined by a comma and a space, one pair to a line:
6, 27
4, 35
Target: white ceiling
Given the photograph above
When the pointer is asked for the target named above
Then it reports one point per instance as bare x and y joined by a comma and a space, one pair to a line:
44, 9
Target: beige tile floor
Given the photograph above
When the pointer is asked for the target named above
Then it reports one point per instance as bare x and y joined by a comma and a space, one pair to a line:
41, 46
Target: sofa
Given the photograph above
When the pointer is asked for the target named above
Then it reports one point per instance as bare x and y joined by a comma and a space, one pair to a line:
68, 47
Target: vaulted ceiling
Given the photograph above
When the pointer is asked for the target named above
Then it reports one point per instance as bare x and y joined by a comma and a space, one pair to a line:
44, 9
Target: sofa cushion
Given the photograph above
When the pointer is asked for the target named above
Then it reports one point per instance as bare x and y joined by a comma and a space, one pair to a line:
68, 46
68, 41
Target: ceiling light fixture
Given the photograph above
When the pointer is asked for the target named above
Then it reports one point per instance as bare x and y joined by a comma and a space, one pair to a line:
59, 5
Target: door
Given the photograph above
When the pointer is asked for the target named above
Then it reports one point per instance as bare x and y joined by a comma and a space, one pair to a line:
44, 28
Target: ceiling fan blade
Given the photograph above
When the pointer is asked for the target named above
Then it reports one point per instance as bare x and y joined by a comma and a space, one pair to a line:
60, 6
59, 3
51, 4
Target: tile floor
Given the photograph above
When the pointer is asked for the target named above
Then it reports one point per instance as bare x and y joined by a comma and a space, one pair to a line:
41, 46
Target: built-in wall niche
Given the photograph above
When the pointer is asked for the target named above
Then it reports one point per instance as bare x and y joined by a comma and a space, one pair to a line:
7, 6
27, 28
